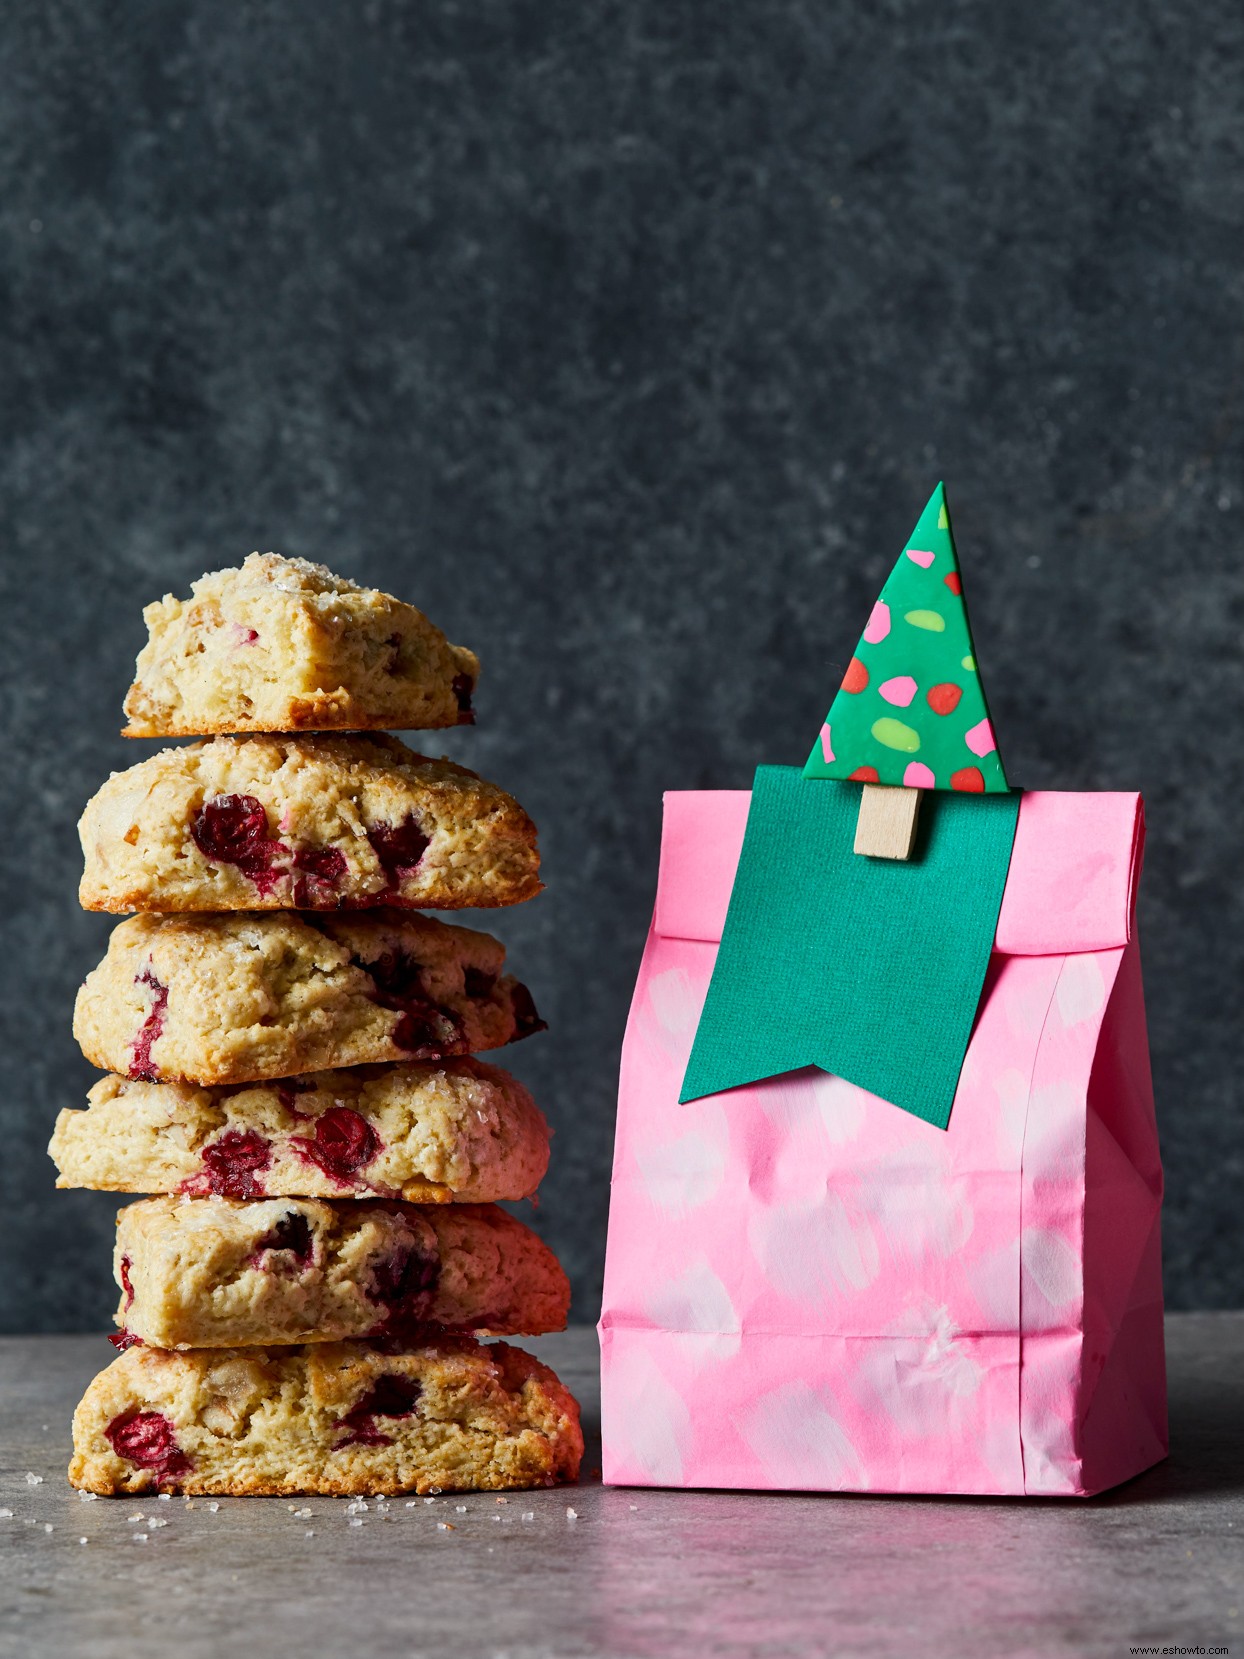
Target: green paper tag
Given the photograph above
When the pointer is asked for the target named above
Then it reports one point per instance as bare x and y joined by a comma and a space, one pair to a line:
869, 968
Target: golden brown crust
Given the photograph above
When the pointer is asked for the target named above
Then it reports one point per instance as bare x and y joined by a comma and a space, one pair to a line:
426, 1133
242, 996
304, 823
266, 1422
284, 645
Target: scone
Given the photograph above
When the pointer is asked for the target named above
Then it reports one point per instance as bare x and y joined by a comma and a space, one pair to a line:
282, 645
216, 1273
334, 1418
429, 1134
303, 823
246, 995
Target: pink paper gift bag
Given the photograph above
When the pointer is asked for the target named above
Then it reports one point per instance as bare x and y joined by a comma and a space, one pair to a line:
807, 1288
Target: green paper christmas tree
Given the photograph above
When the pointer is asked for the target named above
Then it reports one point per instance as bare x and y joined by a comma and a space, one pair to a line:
911, 709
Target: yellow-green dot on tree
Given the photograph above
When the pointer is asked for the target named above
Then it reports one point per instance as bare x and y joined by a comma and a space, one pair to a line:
970, 664
929, 620
895, 735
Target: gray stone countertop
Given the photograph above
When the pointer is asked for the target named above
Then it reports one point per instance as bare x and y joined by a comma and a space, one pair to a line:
632, 1572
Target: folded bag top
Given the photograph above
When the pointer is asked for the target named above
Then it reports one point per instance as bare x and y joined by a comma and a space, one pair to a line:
1075, 866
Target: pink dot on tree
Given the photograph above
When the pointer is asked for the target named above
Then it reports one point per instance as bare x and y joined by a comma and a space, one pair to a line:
899, 690
980, 739
826, 746
918, 776
878, 624
919, 557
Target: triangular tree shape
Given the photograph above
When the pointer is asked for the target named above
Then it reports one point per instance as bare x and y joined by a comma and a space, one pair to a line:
911, 709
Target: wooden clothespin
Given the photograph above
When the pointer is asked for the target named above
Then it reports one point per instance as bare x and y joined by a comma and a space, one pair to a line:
886, 826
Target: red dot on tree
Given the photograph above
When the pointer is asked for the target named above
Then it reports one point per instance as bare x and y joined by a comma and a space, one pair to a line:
968, 779
944, 698
856, 676
866, 774
952, 582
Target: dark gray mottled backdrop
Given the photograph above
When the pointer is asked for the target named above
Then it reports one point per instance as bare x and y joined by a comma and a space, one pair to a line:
627, 337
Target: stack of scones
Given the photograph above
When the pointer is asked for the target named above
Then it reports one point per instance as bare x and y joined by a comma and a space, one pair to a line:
289, 1045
